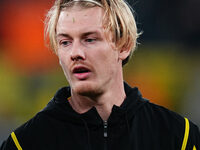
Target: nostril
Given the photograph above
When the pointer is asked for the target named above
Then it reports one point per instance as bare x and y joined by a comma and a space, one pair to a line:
77, 58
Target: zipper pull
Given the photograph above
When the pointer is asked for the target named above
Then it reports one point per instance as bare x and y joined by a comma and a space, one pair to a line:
105, 125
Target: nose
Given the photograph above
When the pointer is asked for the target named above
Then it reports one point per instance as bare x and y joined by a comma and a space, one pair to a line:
77, 51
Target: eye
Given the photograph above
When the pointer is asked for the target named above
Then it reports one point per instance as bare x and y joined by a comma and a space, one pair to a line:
90, 40
64, 43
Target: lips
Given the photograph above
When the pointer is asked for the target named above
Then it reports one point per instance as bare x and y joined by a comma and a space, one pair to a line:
81, 72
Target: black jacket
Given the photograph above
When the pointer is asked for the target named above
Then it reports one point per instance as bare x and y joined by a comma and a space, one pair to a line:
136, 125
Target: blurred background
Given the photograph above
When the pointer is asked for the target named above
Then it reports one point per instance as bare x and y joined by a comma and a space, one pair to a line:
165, 66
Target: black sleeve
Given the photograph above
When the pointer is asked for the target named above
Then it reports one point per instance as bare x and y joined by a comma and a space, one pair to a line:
194, 137
8, 144
197, 137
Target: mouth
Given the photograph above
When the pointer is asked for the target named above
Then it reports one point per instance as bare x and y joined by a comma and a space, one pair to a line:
81, 72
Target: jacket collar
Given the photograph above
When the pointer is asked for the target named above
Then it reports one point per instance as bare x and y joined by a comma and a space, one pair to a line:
62, 109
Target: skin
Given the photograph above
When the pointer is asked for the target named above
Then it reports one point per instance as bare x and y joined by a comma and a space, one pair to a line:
82, 43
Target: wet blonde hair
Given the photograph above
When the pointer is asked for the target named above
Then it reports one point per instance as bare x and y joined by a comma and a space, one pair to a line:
118, 19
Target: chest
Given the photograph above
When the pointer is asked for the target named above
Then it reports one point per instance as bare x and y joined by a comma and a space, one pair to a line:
123, 135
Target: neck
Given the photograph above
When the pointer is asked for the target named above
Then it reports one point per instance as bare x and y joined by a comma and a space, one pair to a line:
103, 103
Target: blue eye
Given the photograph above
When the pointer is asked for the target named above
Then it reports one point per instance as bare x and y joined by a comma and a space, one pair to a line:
65, 43
90, 40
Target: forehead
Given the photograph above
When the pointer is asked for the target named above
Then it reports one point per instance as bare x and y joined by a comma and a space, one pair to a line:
80, 19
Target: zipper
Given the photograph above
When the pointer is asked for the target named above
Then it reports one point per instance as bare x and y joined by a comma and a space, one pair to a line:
105, 126
105, 134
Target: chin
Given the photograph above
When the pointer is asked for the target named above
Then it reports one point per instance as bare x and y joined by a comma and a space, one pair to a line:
86, 89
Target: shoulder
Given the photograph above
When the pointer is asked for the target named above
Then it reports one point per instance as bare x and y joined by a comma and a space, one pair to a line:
42, 127
17, 136
8, 144
193, 136
173, 124
162, 120
36, 129
164, 115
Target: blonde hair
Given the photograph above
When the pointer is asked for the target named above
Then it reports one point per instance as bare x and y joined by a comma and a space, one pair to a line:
118, 19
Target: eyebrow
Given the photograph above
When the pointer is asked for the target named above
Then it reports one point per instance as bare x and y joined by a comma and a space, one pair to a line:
63, 35
90, 33
82, 35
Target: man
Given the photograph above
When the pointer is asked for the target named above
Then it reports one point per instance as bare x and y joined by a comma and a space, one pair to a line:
93, 39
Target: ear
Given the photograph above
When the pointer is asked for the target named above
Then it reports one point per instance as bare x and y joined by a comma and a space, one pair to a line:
123, 53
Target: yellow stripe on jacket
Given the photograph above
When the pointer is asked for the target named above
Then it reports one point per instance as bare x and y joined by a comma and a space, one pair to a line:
187, 130
16, 141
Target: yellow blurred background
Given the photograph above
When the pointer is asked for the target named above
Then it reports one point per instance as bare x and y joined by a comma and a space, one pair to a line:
165, 67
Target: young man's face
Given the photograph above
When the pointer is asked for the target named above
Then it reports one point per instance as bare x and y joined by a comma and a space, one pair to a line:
90, 62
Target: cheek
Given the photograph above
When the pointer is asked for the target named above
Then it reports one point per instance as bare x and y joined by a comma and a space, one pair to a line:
63, 61
111, 57
106, 61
